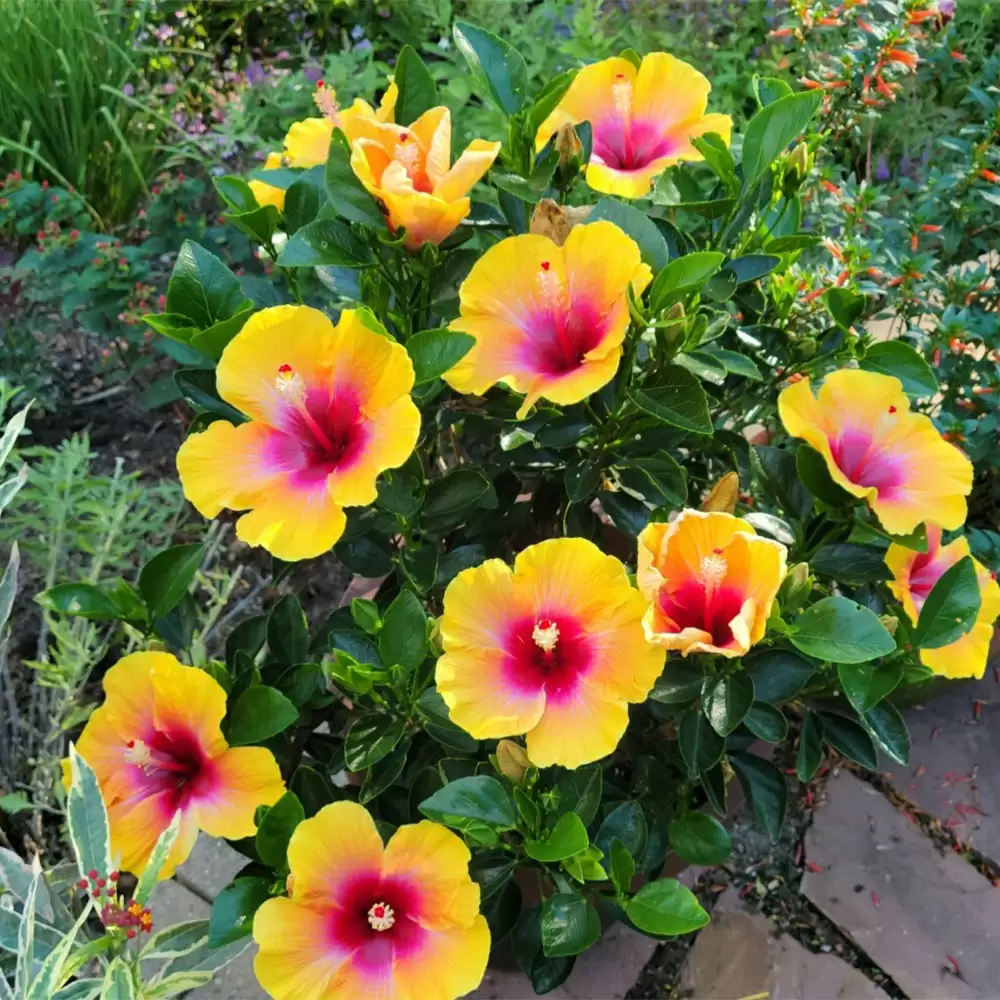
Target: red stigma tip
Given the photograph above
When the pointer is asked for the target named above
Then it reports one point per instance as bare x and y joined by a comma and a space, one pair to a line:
284, 369
718, 552
546, 265
379, 911
404, 137
619, 76
319, 83
130, 744
892, 409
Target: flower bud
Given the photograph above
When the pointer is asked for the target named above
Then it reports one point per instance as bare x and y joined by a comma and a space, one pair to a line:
891, 623
806, 346
570, 151
798, 163
796, 588
512, 761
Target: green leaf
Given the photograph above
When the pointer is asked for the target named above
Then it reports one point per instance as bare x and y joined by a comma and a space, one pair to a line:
498, 70
580, 791
700, 839
176, 940
568, 837
433, 352
502, 910
666, 908
866, 685
951, 607
766, 722
778, 674
417, 91
734, 362
276, 829
570, 925
581, 481
886, 725
234, 907
403, 637
815, 476
81, 599
845, 306
548, 100
768, 89
178, 328
772, 129
369, 739
675, 397
236, 193
639, 226
766, 790
197, 386
347, 195
727, 700
622, 867
850, 562
325, 242
165, 579
87, 818
700, 745
158, 858
841, 631
679, 683
752, 266
782, 480
213, 341
204, 958
258, 714
202, 288
683, 276
627, 514
118, 982
466, 801
789, 244
850, 738
455, 493
439, 725
288, 632
893, 357
627, 823
810, 752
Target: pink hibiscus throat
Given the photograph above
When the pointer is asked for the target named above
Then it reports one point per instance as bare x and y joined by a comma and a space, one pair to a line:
547, 652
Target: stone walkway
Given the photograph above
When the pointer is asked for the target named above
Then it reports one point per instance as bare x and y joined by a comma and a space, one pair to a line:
926, 918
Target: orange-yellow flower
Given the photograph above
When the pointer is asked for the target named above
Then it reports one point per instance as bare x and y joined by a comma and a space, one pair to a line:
643, 119
408, 169
156, 748
710, 581
399, 922
307, 143
914, 575
553, 649
876, 449
549, 320
329, 410
268, 194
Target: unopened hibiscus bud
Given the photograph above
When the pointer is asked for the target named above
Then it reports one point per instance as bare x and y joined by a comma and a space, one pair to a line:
797, 586
797, 167
512, 761
891, 623
570, 150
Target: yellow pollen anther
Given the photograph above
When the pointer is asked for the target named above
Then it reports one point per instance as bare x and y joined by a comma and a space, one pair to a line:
381, 917
137, 752
546, 635
621, 96
713, 570
408, 153
325, 99
290, 385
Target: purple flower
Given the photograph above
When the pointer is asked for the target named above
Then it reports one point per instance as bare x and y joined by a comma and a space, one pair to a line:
170, 88
947, 7
357, 32
313, 73
284, 54
882, 172
363, 46
128, 90
905, 164
254, 73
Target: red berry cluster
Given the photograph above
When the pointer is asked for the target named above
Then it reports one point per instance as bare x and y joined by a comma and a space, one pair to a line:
131, 917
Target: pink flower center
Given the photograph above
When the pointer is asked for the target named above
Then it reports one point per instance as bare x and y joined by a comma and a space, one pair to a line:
172, 762
864, 462
707, 602
550, 652
562, 331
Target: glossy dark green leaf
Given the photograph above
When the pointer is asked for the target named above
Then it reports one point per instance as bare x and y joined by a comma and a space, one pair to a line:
287, 631
675, 397
570, 925
165, 579
567, 837
680, 682
233, 910
202, 288
259, 713
850, 562
81, 599
841, 631
313, 789
850, 738
810, 752
502, 910
700, 839
683, 276
665, 908
456, 493
197, 386
478, 799
347, 195
815, 475
497, 69
627, 823
383, 774
726, 701
846, 307
773, 128
638, 225
276, 829
752, 266
700, 745
781, 479
893, 357
403, 637
580, 792
582, 481
369, 739
325, 243
766, 790
417, 90
766, 722
622, 867
951, 607
433, 352
866, 685
888, 728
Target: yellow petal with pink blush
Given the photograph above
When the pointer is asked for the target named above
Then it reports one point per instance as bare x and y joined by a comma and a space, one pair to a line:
248, 777
553, 649
293, 961
439, 861
876, 449
188, 698
308, 142
267, 194
669, 91
452, 964
467, 171
324, 850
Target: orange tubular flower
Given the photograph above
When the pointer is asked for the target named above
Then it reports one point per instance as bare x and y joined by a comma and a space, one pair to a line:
156, 748
904, 58
548, 320
711, 582
553, 648
643, 119
397, 922
407, 170
914, 575
876, 449
329, 410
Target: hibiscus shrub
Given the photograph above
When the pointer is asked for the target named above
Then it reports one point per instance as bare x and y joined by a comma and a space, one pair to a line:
494, 386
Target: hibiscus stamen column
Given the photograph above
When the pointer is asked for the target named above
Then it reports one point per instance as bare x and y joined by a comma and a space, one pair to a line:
291, 387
